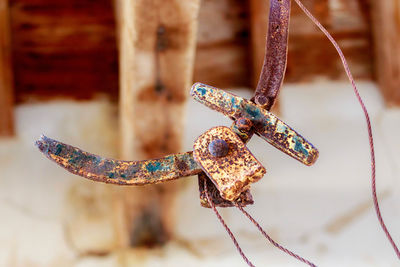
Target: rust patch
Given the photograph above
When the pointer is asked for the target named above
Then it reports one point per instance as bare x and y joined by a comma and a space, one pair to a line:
232, 174
243, 200
243, 127
113, 171
266, 125
274, 66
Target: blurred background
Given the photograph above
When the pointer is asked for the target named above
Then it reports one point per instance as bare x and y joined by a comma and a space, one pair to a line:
113, 78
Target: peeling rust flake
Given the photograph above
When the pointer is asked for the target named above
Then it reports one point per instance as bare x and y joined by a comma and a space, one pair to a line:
114, 171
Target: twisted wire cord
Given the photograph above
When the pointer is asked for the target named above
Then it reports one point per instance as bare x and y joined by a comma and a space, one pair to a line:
273, 242
226, 227
232, 236
371, 141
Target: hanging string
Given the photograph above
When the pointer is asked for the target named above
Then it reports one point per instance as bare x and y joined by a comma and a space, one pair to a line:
259, 228
226, 226
371, 141
271, 240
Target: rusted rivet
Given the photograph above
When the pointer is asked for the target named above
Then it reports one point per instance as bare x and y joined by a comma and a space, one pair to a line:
244, 124
261, 100
218, 148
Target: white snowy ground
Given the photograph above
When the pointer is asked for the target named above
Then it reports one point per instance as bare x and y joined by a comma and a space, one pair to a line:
323, 212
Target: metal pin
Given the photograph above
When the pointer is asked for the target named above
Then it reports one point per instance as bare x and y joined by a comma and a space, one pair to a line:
218, 148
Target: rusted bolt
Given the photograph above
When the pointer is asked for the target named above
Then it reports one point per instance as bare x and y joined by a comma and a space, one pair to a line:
244, 124
218, 148
261, 100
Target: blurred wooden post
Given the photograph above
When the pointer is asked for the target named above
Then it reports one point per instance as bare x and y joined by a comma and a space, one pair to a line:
157, 41
386, 23
6, 80
259, 10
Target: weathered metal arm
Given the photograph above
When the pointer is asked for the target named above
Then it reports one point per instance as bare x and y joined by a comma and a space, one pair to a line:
269, 84
249, 118
114, 171
274, 66
266, 124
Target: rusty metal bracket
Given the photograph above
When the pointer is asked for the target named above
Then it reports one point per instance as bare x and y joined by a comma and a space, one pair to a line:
220, 152
227, 162
265, 124
220, 156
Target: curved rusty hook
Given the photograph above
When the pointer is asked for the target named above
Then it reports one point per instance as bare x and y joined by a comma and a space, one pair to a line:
114, 171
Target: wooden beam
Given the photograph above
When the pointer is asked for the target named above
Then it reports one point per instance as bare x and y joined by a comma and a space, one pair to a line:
6, 77
222, 56
157, 41
51, 54
386, 18
259, 10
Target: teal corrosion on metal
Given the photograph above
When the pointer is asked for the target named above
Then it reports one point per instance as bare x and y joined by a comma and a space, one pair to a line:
114, 171
266, 125
249, 118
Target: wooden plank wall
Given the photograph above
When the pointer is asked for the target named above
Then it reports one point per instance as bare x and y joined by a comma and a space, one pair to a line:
6, 75
386, 16
68, 47
259, 12
64, 48
222, 57
348, 22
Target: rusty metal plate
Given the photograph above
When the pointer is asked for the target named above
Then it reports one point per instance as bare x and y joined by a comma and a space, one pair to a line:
231, 172
244, 199
266, 124
115, 171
